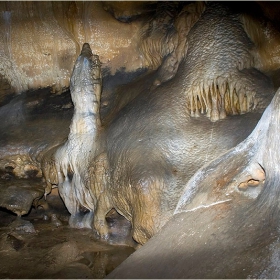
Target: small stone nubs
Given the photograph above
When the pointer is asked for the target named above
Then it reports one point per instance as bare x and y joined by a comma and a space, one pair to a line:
86, 50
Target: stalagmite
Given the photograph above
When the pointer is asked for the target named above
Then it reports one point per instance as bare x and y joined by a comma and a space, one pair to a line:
73, 159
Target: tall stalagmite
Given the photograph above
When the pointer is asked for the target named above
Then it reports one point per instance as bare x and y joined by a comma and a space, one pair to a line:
73, 158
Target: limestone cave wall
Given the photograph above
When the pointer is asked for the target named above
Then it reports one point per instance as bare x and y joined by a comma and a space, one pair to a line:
150, 92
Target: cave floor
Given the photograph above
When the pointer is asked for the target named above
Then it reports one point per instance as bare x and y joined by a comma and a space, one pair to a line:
42, 245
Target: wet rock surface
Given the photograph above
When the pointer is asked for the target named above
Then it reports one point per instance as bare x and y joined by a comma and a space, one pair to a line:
18, 195
41, 245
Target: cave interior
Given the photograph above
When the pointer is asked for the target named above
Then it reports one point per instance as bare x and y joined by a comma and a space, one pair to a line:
139, 139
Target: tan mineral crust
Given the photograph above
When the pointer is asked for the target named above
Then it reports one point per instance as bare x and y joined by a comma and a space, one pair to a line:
113, 118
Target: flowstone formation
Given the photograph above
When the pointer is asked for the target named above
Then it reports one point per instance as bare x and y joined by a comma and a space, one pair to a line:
139, 161
147, 148
229, 209
251, 170
97, 178
221, 79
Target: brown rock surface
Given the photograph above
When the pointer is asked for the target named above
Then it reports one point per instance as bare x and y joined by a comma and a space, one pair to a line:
170, 69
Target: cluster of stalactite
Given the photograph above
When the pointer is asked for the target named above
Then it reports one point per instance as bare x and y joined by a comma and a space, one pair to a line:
219, 98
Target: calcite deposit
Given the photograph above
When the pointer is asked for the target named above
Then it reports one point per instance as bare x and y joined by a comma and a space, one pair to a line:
40, 42
121, 119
